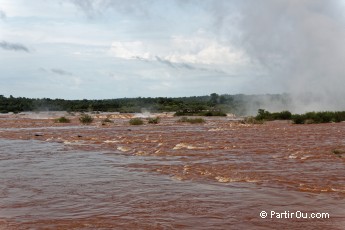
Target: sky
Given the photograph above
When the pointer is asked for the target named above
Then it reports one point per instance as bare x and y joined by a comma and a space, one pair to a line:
96, 49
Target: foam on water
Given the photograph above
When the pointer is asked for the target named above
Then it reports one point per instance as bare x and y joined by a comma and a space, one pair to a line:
114, 178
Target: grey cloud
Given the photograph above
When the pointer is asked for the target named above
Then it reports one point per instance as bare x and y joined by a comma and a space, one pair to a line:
182, 65
166, 62
61, 72
187, 66
134, 7
55, 71
2, 14
13, 46
140, 58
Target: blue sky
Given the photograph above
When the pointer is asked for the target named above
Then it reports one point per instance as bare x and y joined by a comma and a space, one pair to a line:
94, 49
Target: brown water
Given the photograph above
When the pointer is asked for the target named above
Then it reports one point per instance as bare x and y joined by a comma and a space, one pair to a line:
219, 175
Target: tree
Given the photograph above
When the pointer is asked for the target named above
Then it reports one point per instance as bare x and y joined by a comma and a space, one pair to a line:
214, 100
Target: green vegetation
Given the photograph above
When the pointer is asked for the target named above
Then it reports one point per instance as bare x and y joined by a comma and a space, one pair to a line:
153, 120
62, 120
265, 115
85, 119
136, 121
209, 105
218, 113
208, 113
191, 120
307, 118
318, 117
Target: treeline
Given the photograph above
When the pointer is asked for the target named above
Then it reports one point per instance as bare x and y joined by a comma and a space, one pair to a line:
307, 118
209, 105
319, 117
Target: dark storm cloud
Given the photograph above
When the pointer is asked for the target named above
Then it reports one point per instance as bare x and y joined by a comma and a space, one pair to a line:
13, 46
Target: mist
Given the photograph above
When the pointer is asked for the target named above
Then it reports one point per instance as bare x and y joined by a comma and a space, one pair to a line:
299, 45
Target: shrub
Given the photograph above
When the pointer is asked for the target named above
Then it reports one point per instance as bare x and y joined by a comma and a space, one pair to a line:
62, 120
307, 118
298, 119
136, 121
153, 120
265, 115
318, 117
338, 152
284, 115
192, 120
214, 113
85, 119
339, 116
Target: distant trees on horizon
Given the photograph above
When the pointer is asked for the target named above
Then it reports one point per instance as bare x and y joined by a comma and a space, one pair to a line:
210, 105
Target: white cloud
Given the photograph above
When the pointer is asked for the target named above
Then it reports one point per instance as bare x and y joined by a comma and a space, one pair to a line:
192, 50
77, 81
164, 47
129, 50
198, 50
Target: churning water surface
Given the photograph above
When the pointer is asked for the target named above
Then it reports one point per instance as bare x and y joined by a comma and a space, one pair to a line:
51, 186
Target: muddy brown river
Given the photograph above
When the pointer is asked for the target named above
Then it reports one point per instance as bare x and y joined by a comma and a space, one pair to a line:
218, 175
